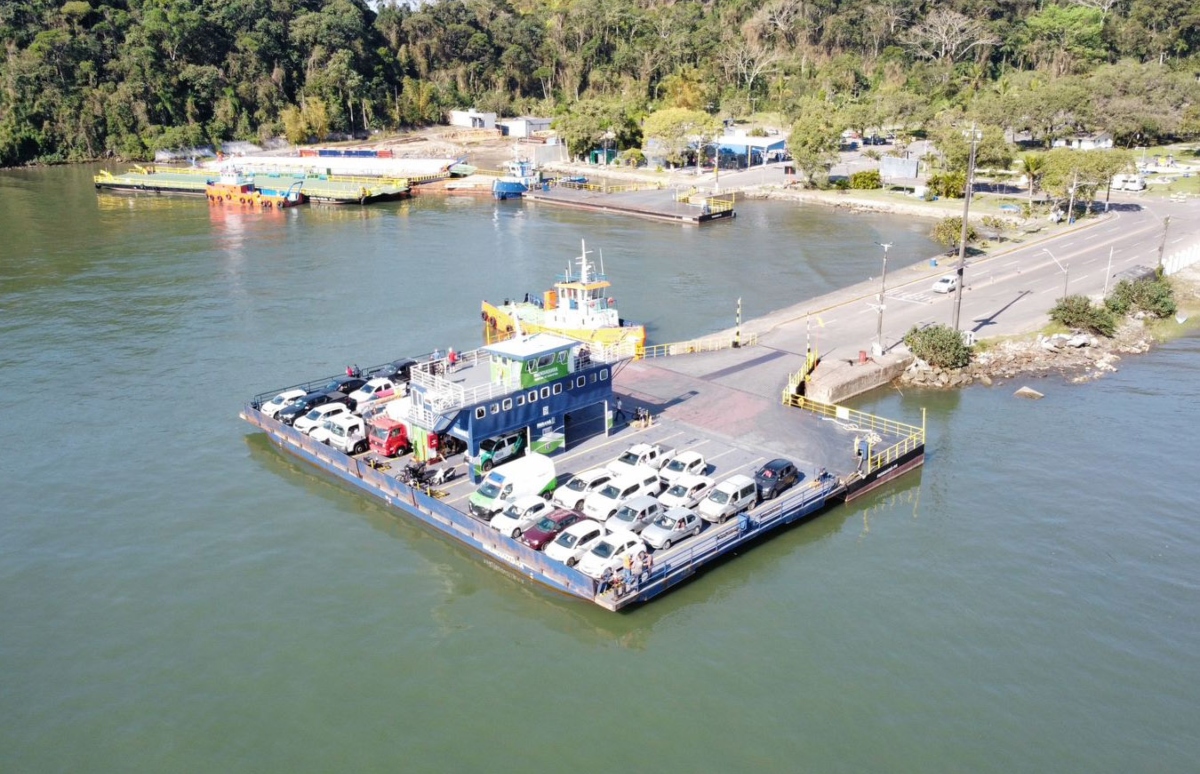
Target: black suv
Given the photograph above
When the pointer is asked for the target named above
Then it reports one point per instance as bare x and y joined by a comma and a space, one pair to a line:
774, 478
291, 413
397, 370
344, 384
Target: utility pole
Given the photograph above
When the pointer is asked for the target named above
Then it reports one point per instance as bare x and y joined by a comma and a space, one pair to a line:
1162, 245
882, 294
1066, 274
1071, 206
962, 245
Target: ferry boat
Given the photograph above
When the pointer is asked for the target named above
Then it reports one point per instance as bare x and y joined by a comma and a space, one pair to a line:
578, 307
231, 188
520, 177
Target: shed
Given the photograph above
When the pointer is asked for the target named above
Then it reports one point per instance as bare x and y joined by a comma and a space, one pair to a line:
472, 119
524, 126
748, 150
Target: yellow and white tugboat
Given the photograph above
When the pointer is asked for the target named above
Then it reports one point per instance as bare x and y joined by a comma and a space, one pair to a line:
579, 307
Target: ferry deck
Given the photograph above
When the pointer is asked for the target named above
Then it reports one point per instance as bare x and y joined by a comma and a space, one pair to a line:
695, 402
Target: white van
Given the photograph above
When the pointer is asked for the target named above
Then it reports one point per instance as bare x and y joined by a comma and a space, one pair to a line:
530, 475
729, 498
605, 501
1128, 183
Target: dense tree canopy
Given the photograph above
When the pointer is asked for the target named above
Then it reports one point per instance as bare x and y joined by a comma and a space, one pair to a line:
88, 78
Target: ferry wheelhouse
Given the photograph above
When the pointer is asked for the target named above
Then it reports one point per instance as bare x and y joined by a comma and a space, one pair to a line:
541, 385
232, 188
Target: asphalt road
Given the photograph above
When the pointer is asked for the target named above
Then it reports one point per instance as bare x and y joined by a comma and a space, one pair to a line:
1007, 292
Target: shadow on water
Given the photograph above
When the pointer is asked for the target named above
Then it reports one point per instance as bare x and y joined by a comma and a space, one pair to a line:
466, 571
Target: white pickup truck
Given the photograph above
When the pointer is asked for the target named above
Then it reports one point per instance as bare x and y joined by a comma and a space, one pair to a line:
649, 455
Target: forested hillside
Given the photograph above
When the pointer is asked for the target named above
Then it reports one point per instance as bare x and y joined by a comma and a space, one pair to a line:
82, 80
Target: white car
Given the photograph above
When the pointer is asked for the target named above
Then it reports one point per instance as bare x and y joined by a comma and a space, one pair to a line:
688, 462
609, 553
272, 407
574, 541
605, 501
520, 515
313, 419
946, 284
374, 390
579, 487
672, 527
687, 491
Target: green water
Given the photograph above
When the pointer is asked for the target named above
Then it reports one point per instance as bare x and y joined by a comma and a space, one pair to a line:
178, 596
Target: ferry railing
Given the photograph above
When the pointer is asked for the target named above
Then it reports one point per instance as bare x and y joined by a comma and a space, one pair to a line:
671, 567
874, 429
710, 344
423, 505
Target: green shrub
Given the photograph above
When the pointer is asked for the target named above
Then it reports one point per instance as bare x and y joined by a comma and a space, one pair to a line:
1153, 296
1079, 313
950, 185
999, 224
948, 231
939, 345
866, 180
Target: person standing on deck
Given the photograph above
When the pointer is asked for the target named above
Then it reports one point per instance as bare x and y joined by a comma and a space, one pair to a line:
619, 414
452, 359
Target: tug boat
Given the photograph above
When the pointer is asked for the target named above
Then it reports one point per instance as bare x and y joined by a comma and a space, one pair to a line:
578, 306
231, 188
519, 177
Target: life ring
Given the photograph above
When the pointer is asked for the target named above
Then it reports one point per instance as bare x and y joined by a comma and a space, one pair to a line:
612, 301
241, 200
228, 196
484, 316
508, 329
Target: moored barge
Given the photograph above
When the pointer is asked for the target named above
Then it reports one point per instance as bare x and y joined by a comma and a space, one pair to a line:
563, 398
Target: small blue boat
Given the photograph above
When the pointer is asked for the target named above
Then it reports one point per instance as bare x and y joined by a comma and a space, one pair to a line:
520, 177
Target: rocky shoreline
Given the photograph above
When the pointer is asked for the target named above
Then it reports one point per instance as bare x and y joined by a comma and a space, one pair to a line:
1078, 357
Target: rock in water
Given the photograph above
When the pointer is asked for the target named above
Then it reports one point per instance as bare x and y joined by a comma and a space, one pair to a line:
1028, 392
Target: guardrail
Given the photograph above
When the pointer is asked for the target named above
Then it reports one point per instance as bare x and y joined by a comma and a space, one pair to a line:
710, 344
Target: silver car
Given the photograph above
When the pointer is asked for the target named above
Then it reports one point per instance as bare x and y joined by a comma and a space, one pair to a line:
672, 527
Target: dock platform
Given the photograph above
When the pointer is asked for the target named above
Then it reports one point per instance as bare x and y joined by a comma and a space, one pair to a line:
657, 204
696, 402
325, 189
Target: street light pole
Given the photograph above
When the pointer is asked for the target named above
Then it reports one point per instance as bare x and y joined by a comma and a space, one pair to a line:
1162, 245
1066, 275
962, 244
882, 295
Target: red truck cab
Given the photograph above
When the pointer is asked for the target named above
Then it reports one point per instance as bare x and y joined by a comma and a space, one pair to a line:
389, 437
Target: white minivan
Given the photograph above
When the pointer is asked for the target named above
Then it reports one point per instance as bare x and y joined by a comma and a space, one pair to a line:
729, 498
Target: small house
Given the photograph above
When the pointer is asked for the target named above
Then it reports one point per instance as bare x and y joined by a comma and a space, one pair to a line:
472, 119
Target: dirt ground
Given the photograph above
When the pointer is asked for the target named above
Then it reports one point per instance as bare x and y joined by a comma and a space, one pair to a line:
483, 148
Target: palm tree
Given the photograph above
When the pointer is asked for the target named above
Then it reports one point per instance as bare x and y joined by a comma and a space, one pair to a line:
1033, 165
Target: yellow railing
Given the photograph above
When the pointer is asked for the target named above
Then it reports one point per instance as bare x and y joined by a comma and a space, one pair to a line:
398, 182
608, 188
873, 427
711, 344
721, 203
